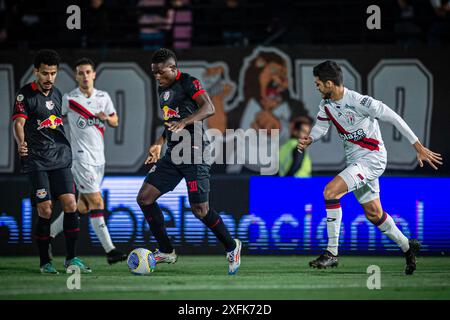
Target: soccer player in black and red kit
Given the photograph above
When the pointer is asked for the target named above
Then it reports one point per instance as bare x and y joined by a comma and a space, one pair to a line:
184, 104
46, 157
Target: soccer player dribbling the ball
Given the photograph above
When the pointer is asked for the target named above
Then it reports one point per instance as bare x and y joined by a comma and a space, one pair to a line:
355, 117
184, 104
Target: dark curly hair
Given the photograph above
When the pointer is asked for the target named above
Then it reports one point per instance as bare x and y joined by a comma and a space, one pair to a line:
329, 70
162, 55
46, 56
85, 61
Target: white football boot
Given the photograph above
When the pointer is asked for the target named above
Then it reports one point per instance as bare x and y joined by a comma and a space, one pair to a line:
162, 257
234, 258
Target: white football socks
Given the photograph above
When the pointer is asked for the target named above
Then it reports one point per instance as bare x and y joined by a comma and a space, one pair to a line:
101, 230
334, 218
387, 225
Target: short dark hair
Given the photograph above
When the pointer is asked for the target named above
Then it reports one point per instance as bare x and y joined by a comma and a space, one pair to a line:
329, 70
162, 55
46, 56
84, 61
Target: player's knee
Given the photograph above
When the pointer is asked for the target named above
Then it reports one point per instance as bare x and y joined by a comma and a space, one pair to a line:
70, 206
373, 213
199, 210
45, 210
96, 202
143, 199
329, 193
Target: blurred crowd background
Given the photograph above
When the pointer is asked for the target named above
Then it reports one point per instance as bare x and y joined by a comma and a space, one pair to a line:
183, 24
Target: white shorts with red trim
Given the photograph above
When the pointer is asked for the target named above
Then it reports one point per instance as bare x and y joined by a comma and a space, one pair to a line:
87, 178
361, 178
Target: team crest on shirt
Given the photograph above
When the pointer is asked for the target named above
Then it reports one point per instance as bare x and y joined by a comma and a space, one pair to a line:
41, 193
166, 95
81, 123
349, 117
20, 97
49, 104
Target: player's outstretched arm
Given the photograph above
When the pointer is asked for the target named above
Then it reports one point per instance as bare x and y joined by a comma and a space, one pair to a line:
425, 154
154, 152
205, 110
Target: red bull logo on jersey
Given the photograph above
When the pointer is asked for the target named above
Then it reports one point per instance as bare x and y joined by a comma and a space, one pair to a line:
51, 122
170, 113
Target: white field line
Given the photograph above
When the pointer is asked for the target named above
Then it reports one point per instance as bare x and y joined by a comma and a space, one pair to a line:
190, 287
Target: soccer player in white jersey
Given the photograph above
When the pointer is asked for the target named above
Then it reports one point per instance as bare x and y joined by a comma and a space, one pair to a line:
355, 117
88, 109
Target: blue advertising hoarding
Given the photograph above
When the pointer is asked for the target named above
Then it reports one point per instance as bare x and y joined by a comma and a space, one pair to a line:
282, 216
290, 215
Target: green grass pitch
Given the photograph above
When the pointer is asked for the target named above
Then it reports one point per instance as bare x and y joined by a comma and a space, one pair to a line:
205, 277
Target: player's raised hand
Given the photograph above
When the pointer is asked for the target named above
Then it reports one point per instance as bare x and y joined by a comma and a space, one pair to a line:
433, 158
175, 126
303, 143
154, 153
23, 149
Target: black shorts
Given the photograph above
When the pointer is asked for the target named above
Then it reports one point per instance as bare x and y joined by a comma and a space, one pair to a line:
46, 185
164, 175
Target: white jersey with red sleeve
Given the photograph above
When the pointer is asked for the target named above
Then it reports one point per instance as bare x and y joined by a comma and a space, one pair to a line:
355, 118
86, 130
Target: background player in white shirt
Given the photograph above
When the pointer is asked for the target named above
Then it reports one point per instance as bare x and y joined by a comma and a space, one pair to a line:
88, 109
356, 119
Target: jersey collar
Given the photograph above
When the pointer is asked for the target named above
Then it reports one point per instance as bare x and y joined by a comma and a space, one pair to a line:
178, 75
94, 91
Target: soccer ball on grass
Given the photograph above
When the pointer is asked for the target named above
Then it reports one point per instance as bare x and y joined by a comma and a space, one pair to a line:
141, 261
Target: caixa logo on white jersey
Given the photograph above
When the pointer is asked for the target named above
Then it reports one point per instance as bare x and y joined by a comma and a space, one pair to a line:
355, 135
83, 122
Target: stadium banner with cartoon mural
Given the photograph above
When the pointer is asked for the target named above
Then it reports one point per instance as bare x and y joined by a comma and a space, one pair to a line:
252, 88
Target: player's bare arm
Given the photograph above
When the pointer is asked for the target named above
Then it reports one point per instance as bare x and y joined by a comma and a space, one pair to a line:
112, 120
206, 110
19, 135
154, 152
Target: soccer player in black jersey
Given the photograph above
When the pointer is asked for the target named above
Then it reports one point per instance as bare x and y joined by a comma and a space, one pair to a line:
46, 157
183, 102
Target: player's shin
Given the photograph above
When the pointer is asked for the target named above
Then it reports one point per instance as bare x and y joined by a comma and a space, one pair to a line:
155, 219
42, 237
215, 223
334, 218
387, 226
97, 219
71, 229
